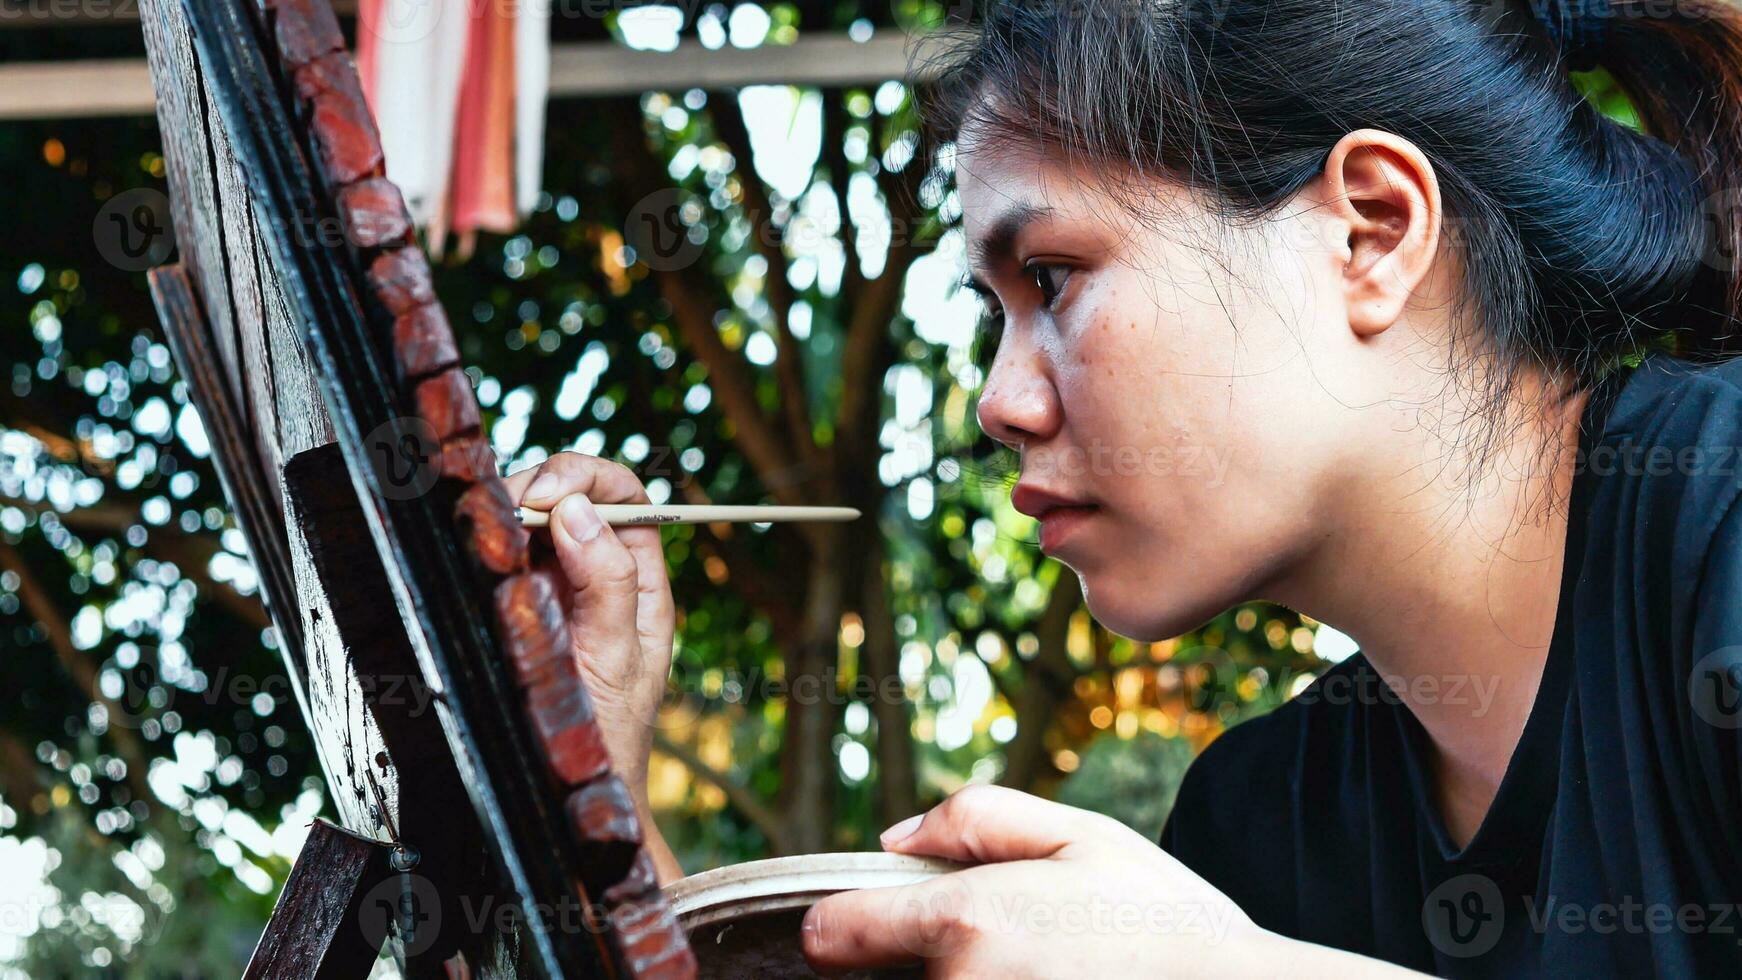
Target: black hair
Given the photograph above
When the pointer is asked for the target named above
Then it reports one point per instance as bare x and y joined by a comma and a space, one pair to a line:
1584, 241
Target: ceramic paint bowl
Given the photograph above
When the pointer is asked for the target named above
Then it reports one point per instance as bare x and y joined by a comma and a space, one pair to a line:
743, 920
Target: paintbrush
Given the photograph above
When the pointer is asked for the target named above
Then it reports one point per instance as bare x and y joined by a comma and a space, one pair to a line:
629, 515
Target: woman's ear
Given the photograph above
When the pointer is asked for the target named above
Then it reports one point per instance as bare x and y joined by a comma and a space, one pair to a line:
1382, 189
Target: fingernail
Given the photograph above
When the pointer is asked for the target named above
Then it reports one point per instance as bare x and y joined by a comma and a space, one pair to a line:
579, 518
546, 485
902, 830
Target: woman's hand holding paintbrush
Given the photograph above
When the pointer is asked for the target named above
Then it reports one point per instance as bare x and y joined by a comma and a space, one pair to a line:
613, 585
605, 558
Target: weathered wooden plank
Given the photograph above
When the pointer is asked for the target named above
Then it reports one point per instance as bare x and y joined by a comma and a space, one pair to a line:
181, 118
299, 409
242, 274
234, 455
345, 732
411, 773
526, 748
586, 69
316, 930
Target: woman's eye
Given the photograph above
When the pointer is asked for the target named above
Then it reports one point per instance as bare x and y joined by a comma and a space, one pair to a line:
1050, 280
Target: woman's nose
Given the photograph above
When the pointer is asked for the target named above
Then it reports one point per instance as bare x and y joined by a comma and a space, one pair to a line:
1019, 403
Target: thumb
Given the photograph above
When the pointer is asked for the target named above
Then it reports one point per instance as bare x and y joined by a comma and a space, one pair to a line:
602, 572
982, 824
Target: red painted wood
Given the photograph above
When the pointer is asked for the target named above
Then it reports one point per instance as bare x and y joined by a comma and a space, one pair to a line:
401, 281
639, 883
304, 29
373, 214
486, 518
343, 131
602, 812
446, 402
651, 942
561, 717
533, 632
468, 459
423, 343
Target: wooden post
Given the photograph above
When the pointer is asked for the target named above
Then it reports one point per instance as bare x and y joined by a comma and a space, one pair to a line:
318, 928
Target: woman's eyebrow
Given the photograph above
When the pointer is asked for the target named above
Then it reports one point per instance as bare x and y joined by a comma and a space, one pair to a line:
999, 241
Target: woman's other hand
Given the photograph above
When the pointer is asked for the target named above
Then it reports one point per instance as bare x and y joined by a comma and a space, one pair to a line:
1058, 892
617, 596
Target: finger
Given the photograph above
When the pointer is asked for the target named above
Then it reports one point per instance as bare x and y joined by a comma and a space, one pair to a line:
876, 928
603, 481
604, 609
982, 824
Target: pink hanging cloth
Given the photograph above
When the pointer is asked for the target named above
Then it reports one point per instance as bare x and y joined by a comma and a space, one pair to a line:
458, 88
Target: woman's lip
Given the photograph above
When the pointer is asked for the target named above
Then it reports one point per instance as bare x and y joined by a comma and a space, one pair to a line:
1059, 523
1036, 503
1058, 514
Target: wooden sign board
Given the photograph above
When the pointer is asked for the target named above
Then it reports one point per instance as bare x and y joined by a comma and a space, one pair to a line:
433, 665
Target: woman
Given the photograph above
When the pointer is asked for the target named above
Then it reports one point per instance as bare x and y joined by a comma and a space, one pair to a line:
1383, 259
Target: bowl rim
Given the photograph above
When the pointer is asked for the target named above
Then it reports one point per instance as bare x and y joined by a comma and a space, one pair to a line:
796, 881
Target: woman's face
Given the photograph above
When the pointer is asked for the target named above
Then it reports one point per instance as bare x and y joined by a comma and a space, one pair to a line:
1187, 397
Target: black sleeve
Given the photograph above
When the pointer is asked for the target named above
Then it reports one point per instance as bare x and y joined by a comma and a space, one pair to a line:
1714, 680
1230, 820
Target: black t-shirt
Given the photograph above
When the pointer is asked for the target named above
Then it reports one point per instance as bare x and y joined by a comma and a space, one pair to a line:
1614, 845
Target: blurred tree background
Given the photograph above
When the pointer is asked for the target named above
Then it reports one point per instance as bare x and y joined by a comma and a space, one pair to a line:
155, 777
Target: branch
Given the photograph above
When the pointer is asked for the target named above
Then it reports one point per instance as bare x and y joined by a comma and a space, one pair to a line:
192, 553
868, 349
770, 241
740, 796
693, 311
769, 590
836, 122
897, 786
39, 606
18, 767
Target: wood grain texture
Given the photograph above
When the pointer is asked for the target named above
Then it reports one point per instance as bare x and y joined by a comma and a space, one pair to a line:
187, 152
300, 410
295, 147
253, 498
314, 930
332, 562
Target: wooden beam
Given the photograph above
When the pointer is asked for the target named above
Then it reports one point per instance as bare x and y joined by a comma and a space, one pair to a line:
320, 927
829, 60
65, 14
72, 89
68, 89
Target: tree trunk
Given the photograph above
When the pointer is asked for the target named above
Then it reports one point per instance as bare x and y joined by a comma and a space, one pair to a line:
879, 663
813, 703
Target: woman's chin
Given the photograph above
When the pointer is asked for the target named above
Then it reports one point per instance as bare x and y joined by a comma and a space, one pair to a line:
1145, 615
